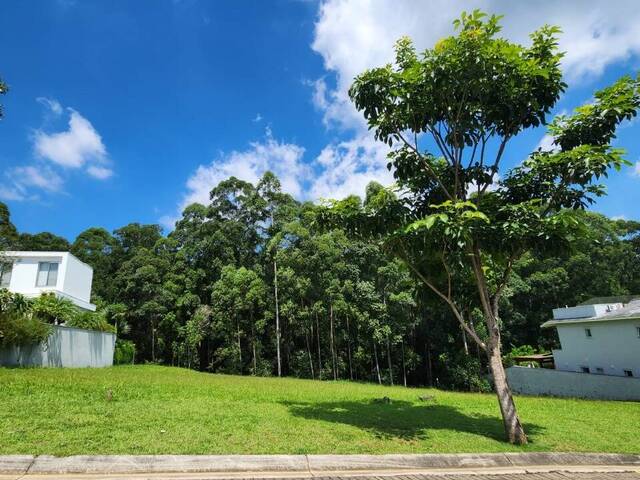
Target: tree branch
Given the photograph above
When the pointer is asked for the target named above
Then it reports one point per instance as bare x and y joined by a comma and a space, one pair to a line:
431, 172
448, 301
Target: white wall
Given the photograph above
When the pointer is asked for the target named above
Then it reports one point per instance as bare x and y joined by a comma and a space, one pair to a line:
614, 346
73, 282
543, 381
25, 272
65, 347
77, 279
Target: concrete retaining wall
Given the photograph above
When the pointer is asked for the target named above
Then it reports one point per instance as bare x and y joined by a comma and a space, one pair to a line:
65, 347
543, 381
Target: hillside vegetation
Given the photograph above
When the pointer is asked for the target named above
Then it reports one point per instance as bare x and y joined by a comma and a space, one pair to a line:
164, 410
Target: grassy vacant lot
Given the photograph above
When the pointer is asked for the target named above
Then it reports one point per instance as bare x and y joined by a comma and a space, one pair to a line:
169, 410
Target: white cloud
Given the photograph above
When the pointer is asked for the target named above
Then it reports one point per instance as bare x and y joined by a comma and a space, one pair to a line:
546, 143
52, 104
20, 181
101, 173
8, 193
347, 167
80, 146
40, 177
283, 159
352, 36
341, 169
257, 118
73, 148
636, 169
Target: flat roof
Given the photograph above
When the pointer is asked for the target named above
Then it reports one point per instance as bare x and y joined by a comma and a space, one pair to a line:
32, 254
631, 311
614, 299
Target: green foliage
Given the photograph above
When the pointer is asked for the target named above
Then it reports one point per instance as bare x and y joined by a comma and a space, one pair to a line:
518, 352
51, 309
8, 232
43, 241
91, 321
464, 372
18, 324
22, 330
124, 353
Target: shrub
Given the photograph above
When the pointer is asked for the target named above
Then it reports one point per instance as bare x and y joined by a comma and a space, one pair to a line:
14, 302
22, 329
124, 353
509, 358
26, 322
51, 309
91, 321
463, 372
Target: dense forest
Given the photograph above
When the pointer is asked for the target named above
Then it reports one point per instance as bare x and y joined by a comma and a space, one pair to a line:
428, 282
215, 293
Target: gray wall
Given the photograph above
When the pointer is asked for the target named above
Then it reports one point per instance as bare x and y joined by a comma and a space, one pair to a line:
614, 346
65, 347
543, 381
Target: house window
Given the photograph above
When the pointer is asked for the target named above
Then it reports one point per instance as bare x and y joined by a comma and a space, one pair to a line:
5, 274
628, 373
47, 274
638, 331
585, 369
587, 332
599, 370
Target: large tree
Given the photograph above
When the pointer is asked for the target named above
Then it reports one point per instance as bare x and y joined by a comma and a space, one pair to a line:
8, 232
449, 113
45, 241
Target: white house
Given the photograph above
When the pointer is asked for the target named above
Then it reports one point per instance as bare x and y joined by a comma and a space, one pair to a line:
601, 338
34, 273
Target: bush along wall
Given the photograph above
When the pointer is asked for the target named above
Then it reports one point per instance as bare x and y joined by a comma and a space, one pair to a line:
25, 321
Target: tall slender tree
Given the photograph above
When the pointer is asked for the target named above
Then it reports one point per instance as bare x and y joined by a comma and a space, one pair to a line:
467, 98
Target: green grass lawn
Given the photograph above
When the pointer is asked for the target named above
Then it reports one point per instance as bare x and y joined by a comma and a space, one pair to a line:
168, 410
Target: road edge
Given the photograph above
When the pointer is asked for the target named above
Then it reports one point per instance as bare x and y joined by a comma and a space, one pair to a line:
303, 464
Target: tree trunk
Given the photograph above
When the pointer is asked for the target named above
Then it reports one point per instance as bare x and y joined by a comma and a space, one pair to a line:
389, 360
404, 366
375, 355
239, 347
253, 347
349, 349
464, 341
429, 366
512, 426
275, 288
319, 350
153, 342
332, 343
477, 346
306, 337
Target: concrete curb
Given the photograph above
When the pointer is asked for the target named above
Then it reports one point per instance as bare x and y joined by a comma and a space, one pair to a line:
303, 464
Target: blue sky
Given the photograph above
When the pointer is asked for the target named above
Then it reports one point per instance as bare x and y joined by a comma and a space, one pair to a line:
126, 111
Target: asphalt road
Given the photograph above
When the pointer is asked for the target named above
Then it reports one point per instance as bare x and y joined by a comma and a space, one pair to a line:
468, 475
515, 476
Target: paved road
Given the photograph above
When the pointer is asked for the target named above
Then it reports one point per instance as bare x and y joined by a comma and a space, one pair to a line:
516, 476
469, 475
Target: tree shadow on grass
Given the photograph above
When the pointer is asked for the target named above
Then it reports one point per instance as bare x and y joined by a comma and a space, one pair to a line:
404, 420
